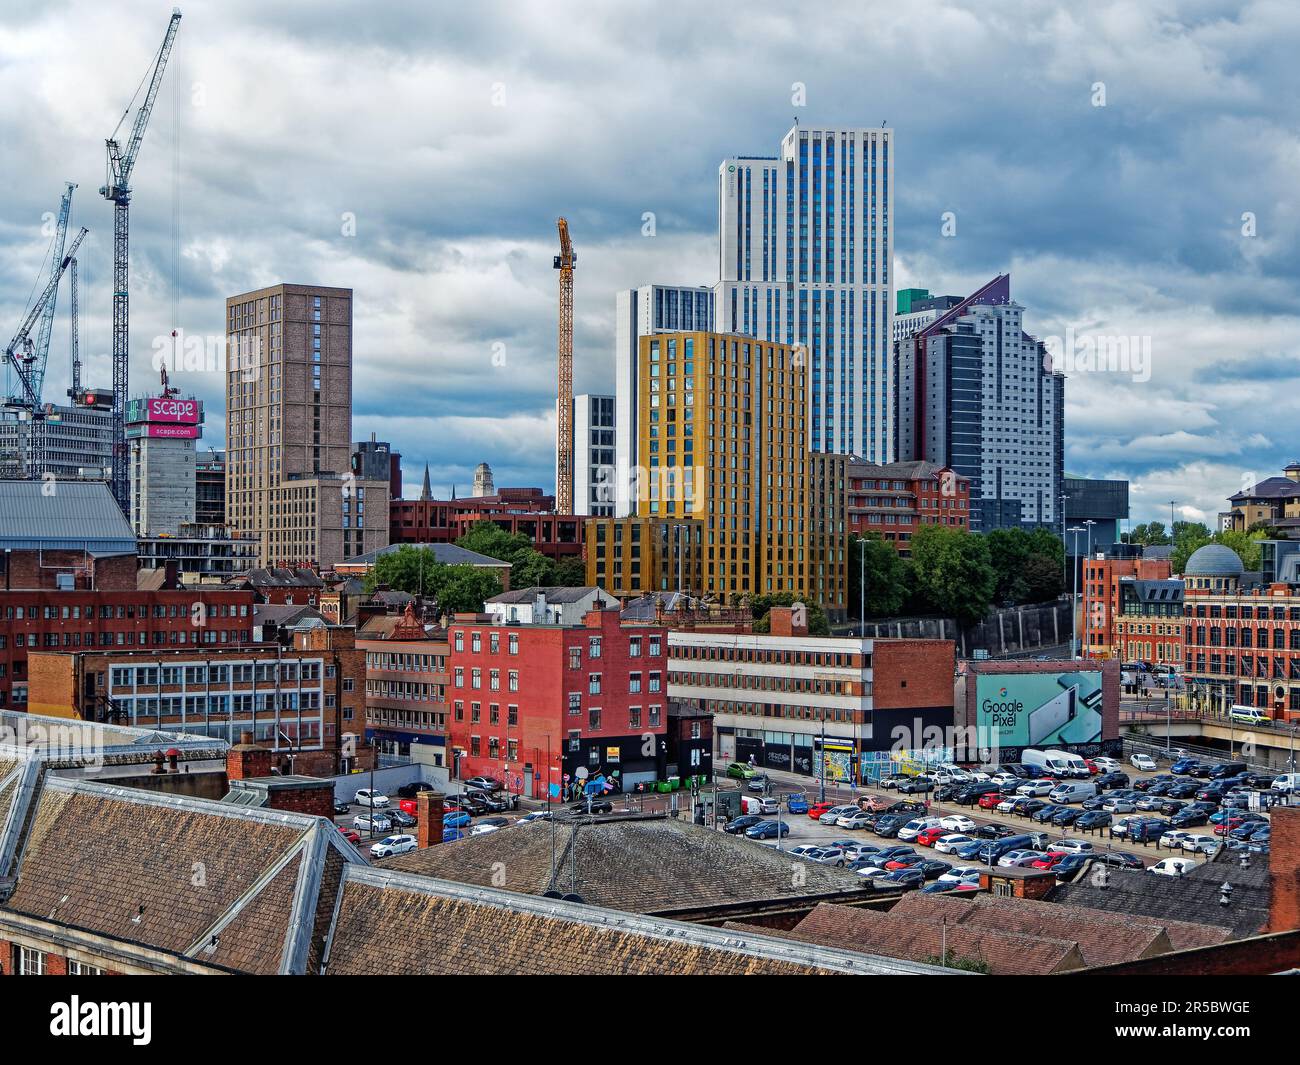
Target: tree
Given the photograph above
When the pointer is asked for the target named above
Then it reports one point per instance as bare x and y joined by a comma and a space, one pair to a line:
888, 577
1188, 537
1245, 544
465, 589
570, 573
1043, 581
953, 572
1009, 552
488, 538
761, 608
1148, 534
532, 569
457, 589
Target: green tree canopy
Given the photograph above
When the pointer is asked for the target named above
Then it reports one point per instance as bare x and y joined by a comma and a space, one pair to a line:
457, 589
888, 576
954, 573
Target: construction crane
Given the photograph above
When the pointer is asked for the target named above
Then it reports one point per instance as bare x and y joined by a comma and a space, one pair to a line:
42, 352
21, 355
564, 262
117, 189
74, 324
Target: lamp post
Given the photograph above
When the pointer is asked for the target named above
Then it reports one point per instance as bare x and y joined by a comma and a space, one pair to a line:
1074, 594
862, 587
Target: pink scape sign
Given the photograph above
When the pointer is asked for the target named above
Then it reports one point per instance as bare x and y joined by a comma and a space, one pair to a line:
173, 411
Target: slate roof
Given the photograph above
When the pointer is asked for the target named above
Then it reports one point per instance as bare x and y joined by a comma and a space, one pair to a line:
448, 554
223, 885
391, 922
650, 865
553, 595
78, 515
286, 614
280, 578
1103, 938
1191, 898
1005, 952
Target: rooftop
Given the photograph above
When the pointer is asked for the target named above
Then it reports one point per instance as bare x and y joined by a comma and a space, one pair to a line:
76, 515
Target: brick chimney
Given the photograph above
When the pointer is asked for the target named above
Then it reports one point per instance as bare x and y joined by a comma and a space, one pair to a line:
1284, 870
246, 759
781, 621
428, 812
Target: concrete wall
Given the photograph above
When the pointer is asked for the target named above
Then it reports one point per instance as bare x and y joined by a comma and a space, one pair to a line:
389, 780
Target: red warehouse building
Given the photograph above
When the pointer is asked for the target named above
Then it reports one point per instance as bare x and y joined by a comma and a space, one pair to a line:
535, 704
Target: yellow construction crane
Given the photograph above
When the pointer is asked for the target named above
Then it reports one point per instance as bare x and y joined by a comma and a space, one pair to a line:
564, 262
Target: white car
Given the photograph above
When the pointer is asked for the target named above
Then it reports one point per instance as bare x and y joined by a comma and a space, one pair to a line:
1037, 788
536, 815
833, 815
1019, 859
870, 872
483, 830
1173, 866
371, 823
951, 844
1070, 846
1003, 778
961, 874
376, 800
857, 819
1004, 807
958, 823
1107, 765
392, 845
1196, 843
1173, 840
1143, 762
803, 850
915, 827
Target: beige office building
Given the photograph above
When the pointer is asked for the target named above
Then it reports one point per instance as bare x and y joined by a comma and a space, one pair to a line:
289, 429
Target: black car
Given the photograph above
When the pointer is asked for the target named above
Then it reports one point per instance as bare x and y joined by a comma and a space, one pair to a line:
1260, 781
1094, 803
341, 807
971, 793
1169, 807
1028, 807
889, 824
898, 878
738, 825
1113, 779
1212, 793
906, 806
1067, 815
1184, 789
1146, 830
411, 791
992, 831
1147, 782
1092, 819
598, 806
932, 868
1201, 770
946, 792
1046, 813
401, 819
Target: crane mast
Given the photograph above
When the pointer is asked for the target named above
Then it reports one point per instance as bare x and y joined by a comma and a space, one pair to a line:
74, 340
42, 352
564, 262
117, 190
21, 355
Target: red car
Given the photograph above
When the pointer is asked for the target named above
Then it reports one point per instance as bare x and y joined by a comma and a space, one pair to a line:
1229, 825
1093, 768
902, 863
927, 837
351, 835
817, 809
1048, 860
991, 800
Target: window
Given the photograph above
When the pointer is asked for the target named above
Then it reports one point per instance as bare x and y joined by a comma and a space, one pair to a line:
633, 717
593, 684
459, 641
654, 682
575, 704
494, 642
593, 647
80, 968
656, 714
30, 962
634, 683
575, 657
512, 643
475, 642
513, 680
593, 719
634, 647
654, 646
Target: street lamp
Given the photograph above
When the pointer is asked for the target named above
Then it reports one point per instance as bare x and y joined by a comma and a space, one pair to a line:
862, 587
1087, 620
1074, 593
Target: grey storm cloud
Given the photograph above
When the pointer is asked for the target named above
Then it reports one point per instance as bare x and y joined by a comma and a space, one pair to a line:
453, 135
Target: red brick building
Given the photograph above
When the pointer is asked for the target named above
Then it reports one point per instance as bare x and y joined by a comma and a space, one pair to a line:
534, 704
893, 499
1100, 601
406, 686
516, 510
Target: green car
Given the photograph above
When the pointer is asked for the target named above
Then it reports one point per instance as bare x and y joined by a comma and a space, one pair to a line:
741, 770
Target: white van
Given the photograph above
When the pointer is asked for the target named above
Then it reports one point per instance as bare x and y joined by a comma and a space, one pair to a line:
1173, 866
1073, 791
758, 804
1287, 783
1248, 715
1057, 763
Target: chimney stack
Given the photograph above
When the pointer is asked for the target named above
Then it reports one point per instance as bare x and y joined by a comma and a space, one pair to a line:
1284, 870
246, 759
428, 812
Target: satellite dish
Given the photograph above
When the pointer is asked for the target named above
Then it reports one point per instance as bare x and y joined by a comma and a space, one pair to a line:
573, 898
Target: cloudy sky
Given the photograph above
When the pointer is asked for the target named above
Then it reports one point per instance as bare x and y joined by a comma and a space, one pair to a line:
454, 134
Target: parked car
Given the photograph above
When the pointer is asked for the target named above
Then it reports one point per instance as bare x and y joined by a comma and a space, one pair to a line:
1112, 779
857, 819
768, 830
1036, 788
958, 873
1019, 858
401, 819
1118, 804
876, 804
1143, 762
351, 835
341, 806
916, 785
928, 837
1070, 846
1067, 815
373, 822
832, 815
952, 842
1045, 814
455, 820
597, 806
797, 804
536, 815
994, 831
1107, 765
484, 783
391, 845
1173, 866
816, 810
412, 791
1091, 819
914, 828
374, 799
957, 823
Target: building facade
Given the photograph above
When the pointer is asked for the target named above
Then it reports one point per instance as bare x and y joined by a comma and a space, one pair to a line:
894, 499
639, 312
805, 257
1104, 575
782, 701
978, 394
289, 429
729, 475
517, 510
162, 434
406, 687
78, 440
595, 433
542, 706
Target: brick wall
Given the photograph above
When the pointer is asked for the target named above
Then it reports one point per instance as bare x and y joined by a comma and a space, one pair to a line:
428, 812
317, 801
1257, 956
912, 673
1284, 870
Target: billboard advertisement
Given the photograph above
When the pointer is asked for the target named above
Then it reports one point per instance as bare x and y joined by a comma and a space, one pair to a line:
1040, 709
156, 431
167, 410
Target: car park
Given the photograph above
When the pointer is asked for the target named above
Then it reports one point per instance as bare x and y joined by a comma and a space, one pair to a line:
368, 797
768, 830
832, 815
391, 845
1143, 762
